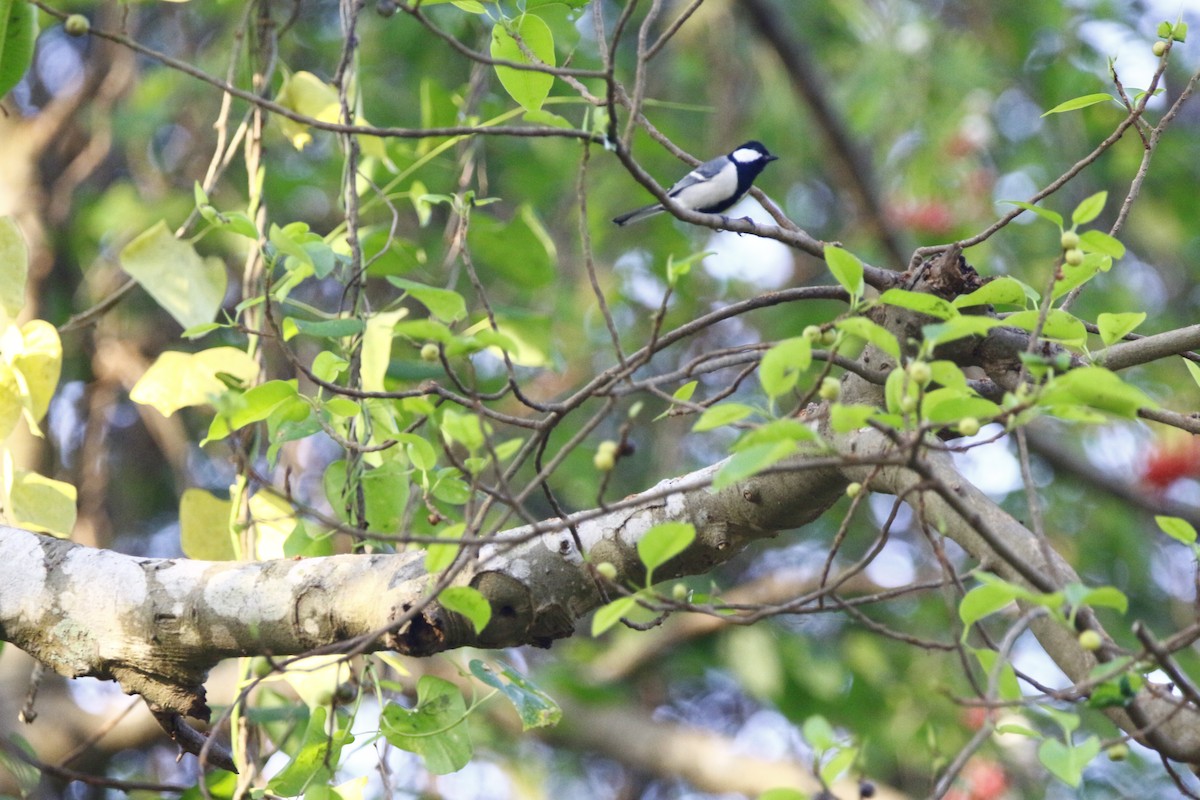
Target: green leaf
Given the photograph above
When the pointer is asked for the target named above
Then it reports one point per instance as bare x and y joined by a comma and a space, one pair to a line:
527, 87
519, 250
328, 365
1020, 730
920, 302
469, 602
1006, 682
782, 794
787, 429
958, 328
1079, 102
723, 414
1004, 291
316, 760
1044, 213
782, 365
1098, 388
872, 332
446, 305
435, 729
1178, 529
18, 32
14, 262
610, 614
684, 393
943, 406
440, 556
844, 417
1101, 597
535, 708
948, 375
420, 452
1059, 326
1100, 242
190, 288
818, 733
983, 601
464, 428
663, 542
751, 461
835, 767
1073, 275
328, 328
846, 269
1193, 370
1114, 327
254, 405
1090, 208
1066, 762
679, 269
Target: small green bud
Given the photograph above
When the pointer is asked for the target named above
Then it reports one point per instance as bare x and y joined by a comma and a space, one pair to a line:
1074, 256
908, 404
853, 489
1090, 640
1159, 48
920, 372
828, 337
77, 25
679, 592
429, 352
830, 388
607, 570
1070, 240
968, 426
1119, 752
812, 333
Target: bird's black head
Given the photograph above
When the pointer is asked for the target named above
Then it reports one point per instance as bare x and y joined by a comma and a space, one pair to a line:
752, 152
749, 159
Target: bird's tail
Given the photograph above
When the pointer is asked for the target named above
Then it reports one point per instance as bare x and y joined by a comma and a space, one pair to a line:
638, 214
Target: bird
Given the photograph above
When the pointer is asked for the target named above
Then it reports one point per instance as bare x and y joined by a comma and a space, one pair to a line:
713, 186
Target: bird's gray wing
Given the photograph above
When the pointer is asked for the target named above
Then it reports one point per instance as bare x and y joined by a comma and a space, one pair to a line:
705, 172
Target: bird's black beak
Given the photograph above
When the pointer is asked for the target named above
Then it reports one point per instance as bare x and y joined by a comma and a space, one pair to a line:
769, 158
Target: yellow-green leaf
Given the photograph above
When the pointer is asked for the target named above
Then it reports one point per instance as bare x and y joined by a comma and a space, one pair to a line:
204, 526
1090, 208
470, 603
377, 347
11, 400
189, 287
1114, 327
40, 364
846, 268
527, 87
14, 266
43, 504
176, 380
1076, 103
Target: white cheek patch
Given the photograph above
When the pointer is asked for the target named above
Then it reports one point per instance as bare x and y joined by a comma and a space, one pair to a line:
744, 155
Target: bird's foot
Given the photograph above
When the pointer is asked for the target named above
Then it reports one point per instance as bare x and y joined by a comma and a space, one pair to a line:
728, 220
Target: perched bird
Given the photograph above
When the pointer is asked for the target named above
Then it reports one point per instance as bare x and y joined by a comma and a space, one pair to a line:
713, 186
